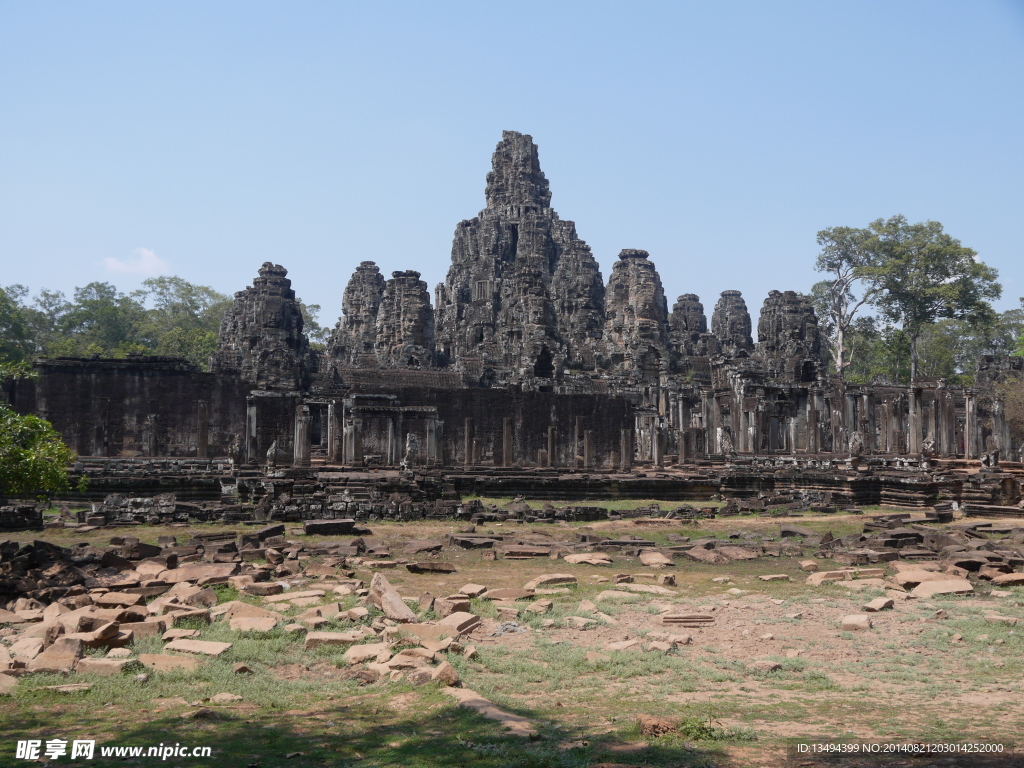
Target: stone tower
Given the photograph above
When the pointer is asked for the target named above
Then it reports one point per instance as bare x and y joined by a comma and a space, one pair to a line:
353, 342
505, 308
730, 323
636, 330
787, 336
261, 336
405, 323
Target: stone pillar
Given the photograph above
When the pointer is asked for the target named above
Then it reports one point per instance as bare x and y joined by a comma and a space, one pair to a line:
972, 432
332, 433
792, 424
392, 441
431, 442
588, 457
577, 443
891, 428
711, 437
914, 425
658, 445
542, 458
552, 447
476, 451
683, 448
300, 448
348, 455
467, 432
626, 450
867, 417
202, 429
812, 424
506, 442
934, 430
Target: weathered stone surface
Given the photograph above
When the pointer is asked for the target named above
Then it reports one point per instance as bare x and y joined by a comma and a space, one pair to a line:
167, 663
385, 597
204, 647
856, 622
103, 667
944, 587
405, 323
730, 323
688, 327
787, 336
352, 344
636, 331
261, 337
59, 657
313, 639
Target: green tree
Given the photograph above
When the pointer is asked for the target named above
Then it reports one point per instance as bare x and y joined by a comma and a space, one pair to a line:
845, 258
318, 335
101, 320
920, 275
15, 327
184, 319
33, 458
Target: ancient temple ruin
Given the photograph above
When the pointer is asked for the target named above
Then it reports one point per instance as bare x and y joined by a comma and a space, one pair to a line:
525, 359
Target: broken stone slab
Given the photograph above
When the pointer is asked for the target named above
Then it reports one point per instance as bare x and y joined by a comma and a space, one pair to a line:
225, 698
199, 573
430, 567
263, 588
314, 639
168, 663
1003, 580
909, 579
549, 580
177, 634
706, 555
650, 589
995, 618
472, 590
819, 578
289, 596
589, 558
60, 657
688, 619
611, 594
540, 606
808, 566
204, 647
879, 604
655, 559
103, 667
738, 553
775, 577
507, 593
519, 726
328, 527
117, 600
358, 654
252, 624
460, 622
945, 587
856, 623
385, 597
622, 645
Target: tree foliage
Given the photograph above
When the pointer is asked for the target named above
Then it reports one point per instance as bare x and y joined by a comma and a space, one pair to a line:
33, 458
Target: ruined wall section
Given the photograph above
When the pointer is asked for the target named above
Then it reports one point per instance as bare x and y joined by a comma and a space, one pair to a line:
405, 323
261, 337
353, 343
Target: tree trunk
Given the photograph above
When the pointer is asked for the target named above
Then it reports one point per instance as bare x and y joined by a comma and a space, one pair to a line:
913, 356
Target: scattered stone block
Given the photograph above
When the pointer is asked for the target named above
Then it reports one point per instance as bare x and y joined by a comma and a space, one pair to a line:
253, 623
168, 663
879, 604
104, 667
775, 577
856, 623
472, 590
60, 657
203, 647
548, 580
314, 639
944, 587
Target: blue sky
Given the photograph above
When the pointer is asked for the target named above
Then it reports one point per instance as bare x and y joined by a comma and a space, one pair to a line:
202, 139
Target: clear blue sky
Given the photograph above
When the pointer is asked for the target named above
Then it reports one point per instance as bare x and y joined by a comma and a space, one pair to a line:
202, 139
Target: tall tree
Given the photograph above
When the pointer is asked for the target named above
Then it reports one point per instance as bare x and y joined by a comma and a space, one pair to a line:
15, 331
920, 275
844, 257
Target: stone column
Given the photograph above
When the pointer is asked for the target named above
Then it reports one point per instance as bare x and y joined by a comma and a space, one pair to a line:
867, 417
658, 445
431, 442
914, 425
970, 426
812, 424
552, 447
506, 442
577, 443
348, 455
357, 442
542, 457
683, 434
626, 450
708, 408
588, 457
202, 429
467, 432
476, 451
332, 433
392, 440
300, 448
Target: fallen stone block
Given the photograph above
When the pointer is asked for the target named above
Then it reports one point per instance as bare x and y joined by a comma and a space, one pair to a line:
856, 623
879, 604
252, 624
945, 587
168, 663
359, 654
549, 580
385, 597
314, 639
460, 622
203, 647
60, 657
103, 667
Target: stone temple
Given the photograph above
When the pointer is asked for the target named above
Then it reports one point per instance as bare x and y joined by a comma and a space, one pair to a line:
526, 364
